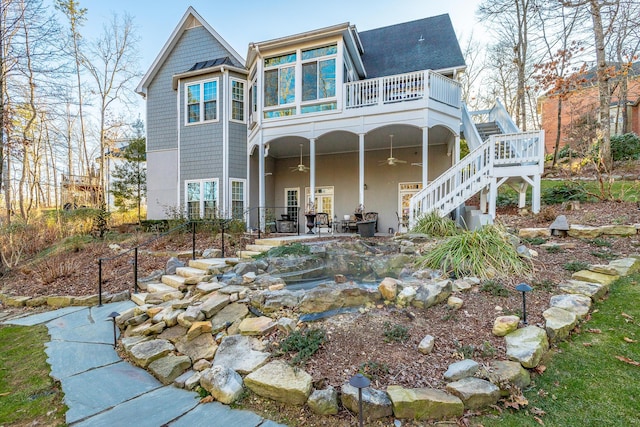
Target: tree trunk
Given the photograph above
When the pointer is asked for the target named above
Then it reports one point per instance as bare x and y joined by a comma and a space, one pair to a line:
603, 86
556, 147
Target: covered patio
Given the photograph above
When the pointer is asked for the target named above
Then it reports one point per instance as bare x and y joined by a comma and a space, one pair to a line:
376, 170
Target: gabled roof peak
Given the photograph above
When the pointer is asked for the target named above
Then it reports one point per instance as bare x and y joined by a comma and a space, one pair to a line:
190, 19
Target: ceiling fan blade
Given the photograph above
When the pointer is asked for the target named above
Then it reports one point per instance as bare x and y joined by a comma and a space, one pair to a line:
400, 161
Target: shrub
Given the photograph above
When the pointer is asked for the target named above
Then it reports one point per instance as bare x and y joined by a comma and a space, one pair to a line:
506, 199
600, 242
625, 147
494, 288
574, 266
304, 344
296, 249
535, 240
397, 333
554, 249
484, 253
434, 225
565, 192
51, 269
566, 151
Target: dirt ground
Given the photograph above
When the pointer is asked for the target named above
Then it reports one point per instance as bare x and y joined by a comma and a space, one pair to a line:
355, 342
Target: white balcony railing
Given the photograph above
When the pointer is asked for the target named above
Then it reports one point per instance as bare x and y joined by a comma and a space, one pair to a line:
400, 88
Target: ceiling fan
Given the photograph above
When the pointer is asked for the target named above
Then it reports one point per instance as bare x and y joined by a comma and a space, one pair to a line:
391, 161
301, 167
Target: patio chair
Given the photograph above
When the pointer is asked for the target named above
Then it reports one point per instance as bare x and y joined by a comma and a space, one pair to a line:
372, 216
402, 222
322, 220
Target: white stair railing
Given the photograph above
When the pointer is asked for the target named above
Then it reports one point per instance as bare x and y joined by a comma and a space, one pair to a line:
474, 172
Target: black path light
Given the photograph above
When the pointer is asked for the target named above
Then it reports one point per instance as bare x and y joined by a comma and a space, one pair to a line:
524, 288
359, 381
113, 316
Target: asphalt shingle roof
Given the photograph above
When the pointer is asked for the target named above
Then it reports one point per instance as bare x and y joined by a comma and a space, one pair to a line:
425, 44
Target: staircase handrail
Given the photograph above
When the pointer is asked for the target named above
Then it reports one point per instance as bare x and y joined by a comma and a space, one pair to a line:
186, 225
501, 116
468, 176
442, 190
471, 134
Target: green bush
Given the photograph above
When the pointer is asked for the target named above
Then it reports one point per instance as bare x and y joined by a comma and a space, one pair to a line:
574, 266
374, 370
565, 192
296, 249
304, 344
434, 225
396, 333
625, 147
565, 152
494, 288
535, 240
484, 253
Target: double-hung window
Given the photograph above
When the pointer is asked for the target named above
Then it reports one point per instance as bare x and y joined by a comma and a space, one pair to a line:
280, 85
318, 78
202, 198
202, 101
237, 100
237, 199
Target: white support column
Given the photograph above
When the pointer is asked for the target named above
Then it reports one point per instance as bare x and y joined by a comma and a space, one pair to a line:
535, 194
261, 183
456, 150
493, 195
522, 195
425, 156
312, 172
361, 169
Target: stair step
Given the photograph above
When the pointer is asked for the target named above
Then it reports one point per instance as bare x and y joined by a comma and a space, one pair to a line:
272, 242
190, 272
259, 248
247, 254
175, 281
208, 264
154, 288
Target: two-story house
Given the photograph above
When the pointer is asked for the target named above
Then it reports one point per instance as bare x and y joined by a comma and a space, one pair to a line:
328, 119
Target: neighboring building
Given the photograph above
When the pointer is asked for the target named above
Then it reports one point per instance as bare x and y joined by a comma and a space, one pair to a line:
331, 119
580, 111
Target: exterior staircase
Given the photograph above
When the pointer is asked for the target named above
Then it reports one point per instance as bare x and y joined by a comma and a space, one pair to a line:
500, 153
172, 286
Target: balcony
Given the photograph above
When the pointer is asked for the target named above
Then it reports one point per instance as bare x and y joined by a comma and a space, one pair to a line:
402, 88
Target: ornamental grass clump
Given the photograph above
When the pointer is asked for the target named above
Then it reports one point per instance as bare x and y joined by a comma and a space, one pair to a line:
485, 253
434, 225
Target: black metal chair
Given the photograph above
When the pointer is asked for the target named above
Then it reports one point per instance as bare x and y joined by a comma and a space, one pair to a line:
322, 220
372, 216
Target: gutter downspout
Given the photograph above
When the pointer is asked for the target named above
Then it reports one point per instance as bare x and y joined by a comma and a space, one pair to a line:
226, 185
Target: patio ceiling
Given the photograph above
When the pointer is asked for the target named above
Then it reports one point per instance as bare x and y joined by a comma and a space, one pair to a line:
344, 142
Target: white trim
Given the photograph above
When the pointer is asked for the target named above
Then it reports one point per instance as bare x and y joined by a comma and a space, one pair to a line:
179, 174
225, 140
173, 40
216, 194
244, 100
202, 101
244, 195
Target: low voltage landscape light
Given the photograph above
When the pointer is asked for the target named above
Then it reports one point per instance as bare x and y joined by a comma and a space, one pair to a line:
113, 316
359, 381
524, 288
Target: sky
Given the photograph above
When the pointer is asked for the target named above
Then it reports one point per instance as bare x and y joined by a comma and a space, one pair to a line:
243, 21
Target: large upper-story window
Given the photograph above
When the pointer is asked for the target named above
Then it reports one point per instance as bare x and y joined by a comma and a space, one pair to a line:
202, 101
237, 100
202, 198
319, 73
280, 85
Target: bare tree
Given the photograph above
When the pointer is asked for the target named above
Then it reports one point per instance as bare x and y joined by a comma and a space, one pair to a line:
475, 59
512, 22
76, 16
113, 64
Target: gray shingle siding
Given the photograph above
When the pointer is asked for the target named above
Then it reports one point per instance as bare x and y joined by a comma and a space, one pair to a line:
194, 45
237, 150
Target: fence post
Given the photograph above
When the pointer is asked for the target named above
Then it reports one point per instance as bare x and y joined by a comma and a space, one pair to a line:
135, 270
222, 225
99, 282
193, 240
258, 222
